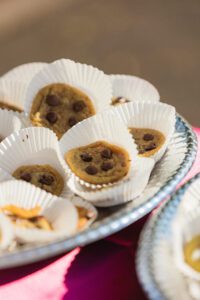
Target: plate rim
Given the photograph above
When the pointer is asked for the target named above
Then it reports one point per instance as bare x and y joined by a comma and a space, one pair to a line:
144, 258
110, 225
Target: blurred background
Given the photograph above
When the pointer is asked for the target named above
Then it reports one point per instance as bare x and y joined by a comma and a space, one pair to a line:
158, 40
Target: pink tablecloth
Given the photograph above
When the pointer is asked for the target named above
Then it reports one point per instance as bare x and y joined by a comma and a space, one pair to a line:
104, 270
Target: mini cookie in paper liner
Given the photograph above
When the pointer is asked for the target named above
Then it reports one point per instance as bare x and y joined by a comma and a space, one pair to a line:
64, 93
24, 198
34, 147
24, 72
132, 88
12, 94
104, 127
9, 123
120, 193
159, 118
6, 232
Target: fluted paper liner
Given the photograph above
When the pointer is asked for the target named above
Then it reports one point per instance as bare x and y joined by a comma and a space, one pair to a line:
91, 81
158, 116
9, 123
6, 232
120, 193
29, 146
101, 127
61, 213
133, 88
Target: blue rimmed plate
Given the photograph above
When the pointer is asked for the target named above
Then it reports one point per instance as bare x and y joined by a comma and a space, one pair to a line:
167, 173
155, 264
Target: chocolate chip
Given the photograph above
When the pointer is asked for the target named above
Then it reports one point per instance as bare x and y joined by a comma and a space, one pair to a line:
52, 100
46, 179
106, 153
26, 177
148, 137
106, 166
78, 106
51, 117
91, 170
72, 121
150, 147
86, 157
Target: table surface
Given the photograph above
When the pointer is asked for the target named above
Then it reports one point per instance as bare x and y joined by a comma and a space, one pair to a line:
102, 270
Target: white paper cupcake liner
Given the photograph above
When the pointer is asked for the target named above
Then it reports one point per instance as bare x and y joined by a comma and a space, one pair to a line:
91, 210
120, 193
13, 92
6, 232
88, 79
101, 127
185, 228
61, 213
9, 123
133, 88
24, 72
158, 116
29, 146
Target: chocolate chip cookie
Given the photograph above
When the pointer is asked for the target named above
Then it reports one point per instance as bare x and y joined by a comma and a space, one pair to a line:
191, 253
8, 106
119, 100
43, 176
59, 107
148, 141
99, 162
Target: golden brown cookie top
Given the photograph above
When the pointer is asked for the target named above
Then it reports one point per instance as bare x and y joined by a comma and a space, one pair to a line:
148, 141
119, 100
43, 176
8, 106
99, 162
59, 107
192, 253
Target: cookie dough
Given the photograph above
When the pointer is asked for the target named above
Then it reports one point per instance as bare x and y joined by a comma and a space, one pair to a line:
26, 218
119, 100
59, 107
99, 162
43, 176
4, 105
148, 141
192, 253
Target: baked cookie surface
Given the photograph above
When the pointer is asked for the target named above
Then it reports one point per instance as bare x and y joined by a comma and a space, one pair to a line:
119, 100
59, 107
99, 162
192, 253
148, 141
43, 176
8, 106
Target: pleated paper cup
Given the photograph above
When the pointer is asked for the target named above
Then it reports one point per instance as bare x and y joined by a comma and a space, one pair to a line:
9, 122
185, 228
158, 116
120, 193
59, 212
101, 127
6, 233
4, 176
91, 211
24, 72
12, 92
91, 81
32, 146
133, 88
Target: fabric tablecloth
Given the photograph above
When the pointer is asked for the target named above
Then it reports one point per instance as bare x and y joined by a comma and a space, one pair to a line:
103, 270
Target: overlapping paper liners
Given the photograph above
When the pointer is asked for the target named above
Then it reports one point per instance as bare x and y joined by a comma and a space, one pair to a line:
29, 146
133, 88
24, 72
13, 92
88, 79
101, 127
6, 232
9, 122
61, 213
158, 116
122, 192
